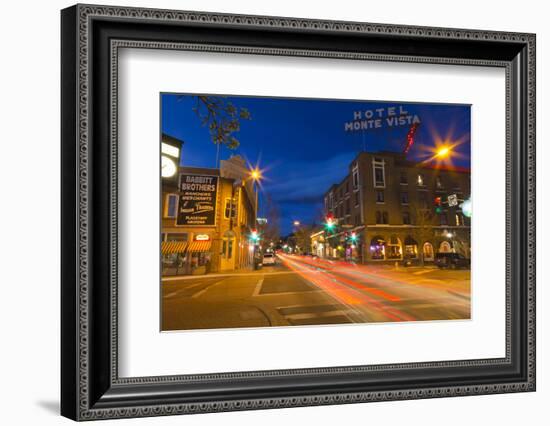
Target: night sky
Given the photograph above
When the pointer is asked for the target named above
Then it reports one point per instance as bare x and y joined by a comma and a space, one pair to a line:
302, 147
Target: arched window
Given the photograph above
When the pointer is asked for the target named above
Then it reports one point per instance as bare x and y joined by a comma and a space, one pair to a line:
428, 251
393, 249
445, 247
411, 247
378, 248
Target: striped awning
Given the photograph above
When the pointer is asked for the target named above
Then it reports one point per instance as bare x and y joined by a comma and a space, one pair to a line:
199, 246
170, 247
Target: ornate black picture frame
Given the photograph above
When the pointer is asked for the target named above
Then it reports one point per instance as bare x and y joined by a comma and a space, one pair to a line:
91, 37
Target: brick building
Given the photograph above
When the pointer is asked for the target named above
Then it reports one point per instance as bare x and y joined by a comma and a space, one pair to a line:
390, 206
207, 215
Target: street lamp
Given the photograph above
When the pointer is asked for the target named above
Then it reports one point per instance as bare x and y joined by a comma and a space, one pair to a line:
256, 176
296, 223
443, 152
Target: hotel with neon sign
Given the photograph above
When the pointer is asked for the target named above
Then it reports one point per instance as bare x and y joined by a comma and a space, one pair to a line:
390, 209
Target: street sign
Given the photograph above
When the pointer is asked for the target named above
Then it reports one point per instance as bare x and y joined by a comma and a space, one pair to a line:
197, 200
202, 237
452, 200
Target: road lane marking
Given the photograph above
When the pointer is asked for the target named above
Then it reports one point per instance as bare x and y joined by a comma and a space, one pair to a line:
201, 292
258, 287
316, 315
290, 293
169, 295
425, 271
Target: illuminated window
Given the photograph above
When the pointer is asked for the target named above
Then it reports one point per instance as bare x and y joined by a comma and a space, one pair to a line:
420, 179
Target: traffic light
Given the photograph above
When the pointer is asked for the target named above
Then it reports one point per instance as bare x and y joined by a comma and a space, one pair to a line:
437, 203
353, 237
254, 236
330, 224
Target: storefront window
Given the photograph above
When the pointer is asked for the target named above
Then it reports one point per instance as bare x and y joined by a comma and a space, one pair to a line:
428, 252
393, 250
411, 248
378, 248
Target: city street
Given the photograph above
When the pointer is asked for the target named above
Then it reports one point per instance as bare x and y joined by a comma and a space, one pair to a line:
302, 290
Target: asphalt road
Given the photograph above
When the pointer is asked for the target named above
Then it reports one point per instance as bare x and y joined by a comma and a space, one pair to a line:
300, 290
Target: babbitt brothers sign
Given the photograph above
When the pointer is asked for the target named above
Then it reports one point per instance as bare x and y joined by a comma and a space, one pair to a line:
197, 200
379, 118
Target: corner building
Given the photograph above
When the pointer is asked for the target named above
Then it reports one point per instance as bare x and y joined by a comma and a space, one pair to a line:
396, 208
220, 243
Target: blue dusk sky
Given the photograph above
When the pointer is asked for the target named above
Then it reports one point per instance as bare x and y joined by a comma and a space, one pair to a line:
303, 147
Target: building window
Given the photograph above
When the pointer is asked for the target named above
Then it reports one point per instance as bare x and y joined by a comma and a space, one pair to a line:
347, 186
356, 199
420, 179
411, 247
406, 218
379, 196
171, 206
355, 176
428, 251
438, 182
393, 248
423, 199
381, 218
459, 219
379, 173
404, 198
443, 219
348, 207
230, 249
229, 208
403, 178
378, 248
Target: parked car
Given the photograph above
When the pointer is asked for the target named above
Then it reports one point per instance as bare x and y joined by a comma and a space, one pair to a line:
451, 260
269, 259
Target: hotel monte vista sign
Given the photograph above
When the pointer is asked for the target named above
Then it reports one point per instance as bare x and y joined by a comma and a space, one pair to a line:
197, 200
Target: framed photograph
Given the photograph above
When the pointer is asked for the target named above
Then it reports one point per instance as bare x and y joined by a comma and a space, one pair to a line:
263, 212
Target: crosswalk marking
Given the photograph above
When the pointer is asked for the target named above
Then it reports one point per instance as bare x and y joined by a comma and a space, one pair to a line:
258, 287
303, 314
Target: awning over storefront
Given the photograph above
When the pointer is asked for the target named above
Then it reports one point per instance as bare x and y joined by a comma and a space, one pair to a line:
171, 247
199, 246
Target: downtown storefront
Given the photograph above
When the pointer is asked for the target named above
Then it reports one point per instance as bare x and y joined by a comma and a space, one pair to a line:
206, 221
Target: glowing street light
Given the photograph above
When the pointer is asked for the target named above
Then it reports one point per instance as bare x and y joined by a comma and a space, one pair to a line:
296, 223
443, 152
256, 174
